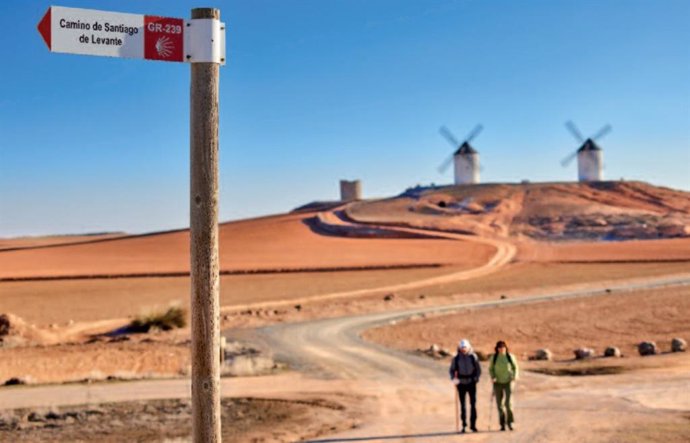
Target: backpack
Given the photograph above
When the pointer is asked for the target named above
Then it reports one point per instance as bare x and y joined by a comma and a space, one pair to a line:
475, 361
510, 360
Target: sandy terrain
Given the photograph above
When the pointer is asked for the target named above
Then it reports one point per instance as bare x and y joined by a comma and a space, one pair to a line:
53, 240
279, 242
165, 354
57, 302
621, 320
413, 397
404, 396
518, 277
665, 250
46, 302
596, 293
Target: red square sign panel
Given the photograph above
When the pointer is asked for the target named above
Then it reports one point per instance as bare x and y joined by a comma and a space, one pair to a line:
163, 38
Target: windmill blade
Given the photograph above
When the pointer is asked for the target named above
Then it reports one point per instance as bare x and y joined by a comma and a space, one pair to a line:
573, 130
566, 161
602, 132
444, 166
449, 136
475, 132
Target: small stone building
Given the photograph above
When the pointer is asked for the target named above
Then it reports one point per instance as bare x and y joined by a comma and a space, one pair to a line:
350, 190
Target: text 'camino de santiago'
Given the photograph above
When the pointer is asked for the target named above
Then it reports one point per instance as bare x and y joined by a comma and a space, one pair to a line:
96, 26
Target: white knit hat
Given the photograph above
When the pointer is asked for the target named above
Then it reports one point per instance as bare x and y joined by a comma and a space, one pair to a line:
464, 343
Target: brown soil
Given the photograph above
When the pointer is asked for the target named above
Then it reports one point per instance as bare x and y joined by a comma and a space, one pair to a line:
622, 320
270, 243
46, 302
558, 211
57, 302
536, 277
286, 242
52, 240
666, 250
243, 419
166, 354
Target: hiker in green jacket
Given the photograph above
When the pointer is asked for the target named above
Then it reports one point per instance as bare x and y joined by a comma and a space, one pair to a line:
503, 369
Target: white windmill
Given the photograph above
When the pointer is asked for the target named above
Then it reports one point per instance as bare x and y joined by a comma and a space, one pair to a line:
465, 158
589, 154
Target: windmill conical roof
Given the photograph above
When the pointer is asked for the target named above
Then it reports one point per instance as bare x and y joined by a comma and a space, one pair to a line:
465, 149
589, 145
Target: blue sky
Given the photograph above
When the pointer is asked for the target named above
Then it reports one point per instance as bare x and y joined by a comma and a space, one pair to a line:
315, 91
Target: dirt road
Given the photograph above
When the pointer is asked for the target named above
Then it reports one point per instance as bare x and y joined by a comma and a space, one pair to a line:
504, 253
407, 397
414, 398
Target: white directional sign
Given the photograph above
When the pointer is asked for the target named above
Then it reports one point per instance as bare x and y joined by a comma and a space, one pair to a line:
116, 34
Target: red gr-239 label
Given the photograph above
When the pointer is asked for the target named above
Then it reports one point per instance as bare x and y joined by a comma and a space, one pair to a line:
163, 38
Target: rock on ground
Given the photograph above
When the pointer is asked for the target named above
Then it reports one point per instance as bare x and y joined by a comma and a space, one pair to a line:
241, 360
612, 351
647, 348
435, 351
5, 324
542, 354
678, 345
582, 353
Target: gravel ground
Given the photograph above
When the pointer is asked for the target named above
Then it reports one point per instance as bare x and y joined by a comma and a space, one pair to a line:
244, 419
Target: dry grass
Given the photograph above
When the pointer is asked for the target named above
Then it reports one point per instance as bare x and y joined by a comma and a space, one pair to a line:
100, 360
164, 320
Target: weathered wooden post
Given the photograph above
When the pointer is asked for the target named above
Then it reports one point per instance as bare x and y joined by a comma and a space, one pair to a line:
201, 42
205, 279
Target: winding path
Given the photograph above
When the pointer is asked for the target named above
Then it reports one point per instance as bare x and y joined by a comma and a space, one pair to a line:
334, 347
414, 398
505, 252
407, 397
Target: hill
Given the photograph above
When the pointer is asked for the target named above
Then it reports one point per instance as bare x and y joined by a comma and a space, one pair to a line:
533, 216
268, 244
541, 211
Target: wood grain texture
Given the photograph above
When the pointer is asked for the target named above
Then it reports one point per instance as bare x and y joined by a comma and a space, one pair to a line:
205, 279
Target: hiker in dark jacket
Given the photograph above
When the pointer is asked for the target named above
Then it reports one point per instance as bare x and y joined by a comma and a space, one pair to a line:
465, 372
503, 368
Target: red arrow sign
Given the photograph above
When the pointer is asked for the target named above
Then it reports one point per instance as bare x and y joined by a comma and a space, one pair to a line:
44, 28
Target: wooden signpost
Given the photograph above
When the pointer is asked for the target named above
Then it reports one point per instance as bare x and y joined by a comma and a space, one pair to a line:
201, 42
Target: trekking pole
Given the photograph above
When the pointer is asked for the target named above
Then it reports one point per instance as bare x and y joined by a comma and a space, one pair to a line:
491, 404
512, 397
457, 400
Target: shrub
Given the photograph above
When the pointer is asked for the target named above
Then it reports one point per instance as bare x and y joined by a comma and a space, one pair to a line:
173, 317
